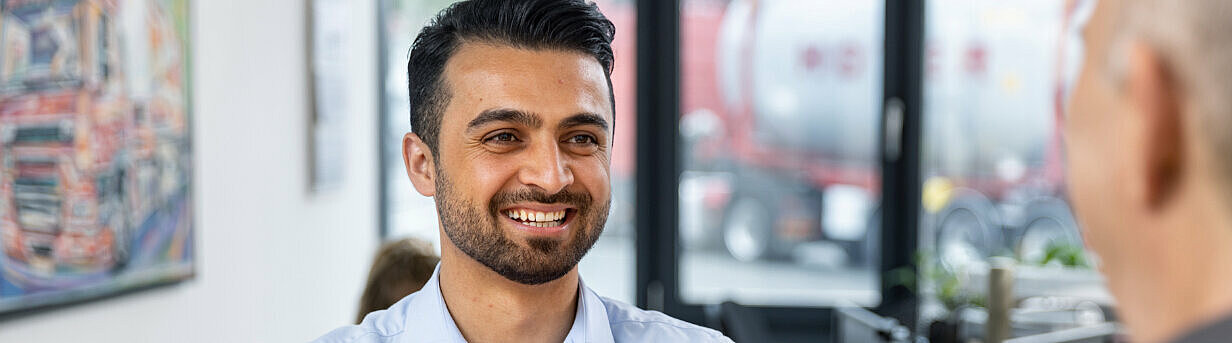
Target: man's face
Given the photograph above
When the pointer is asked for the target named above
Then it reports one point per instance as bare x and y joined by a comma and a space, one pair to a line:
523, 183
1098, 149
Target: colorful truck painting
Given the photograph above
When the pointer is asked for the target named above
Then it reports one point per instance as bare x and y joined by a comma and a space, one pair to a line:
94, 149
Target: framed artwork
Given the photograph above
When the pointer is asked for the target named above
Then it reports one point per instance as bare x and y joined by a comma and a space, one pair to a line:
95, 149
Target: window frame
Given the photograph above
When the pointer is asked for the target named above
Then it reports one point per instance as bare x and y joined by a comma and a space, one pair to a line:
659, 169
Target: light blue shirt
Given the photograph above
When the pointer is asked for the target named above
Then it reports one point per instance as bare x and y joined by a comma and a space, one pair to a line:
423, 317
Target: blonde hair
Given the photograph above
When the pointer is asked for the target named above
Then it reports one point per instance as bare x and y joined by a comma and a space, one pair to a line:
400, 268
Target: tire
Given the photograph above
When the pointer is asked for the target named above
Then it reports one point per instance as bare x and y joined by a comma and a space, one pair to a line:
120, 223
748, 229
967, 230
1049, 221
119, 247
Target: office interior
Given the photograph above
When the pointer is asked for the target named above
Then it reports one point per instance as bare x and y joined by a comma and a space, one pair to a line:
783, 171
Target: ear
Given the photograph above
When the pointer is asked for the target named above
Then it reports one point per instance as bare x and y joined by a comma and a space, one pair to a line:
420, 166
1159, 151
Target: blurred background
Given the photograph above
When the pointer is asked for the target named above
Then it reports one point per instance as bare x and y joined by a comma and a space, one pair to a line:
784, 170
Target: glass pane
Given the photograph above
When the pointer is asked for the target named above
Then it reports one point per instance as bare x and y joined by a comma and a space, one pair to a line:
609, 267
409, 213
781, 185
996, 74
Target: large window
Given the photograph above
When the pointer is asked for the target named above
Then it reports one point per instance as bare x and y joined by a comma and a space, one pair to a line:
609, 267
996, 74
405, 212
780, 187
786, 143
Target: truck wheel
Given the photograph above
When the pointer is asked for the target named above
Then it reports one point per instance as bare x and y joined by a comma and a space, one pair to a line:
968, 230
120, 246
748, 230
1049, 222
120, 222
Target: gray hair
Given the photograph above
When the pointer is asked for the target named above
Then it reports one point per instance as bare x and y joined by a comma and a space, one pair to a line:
1194, 37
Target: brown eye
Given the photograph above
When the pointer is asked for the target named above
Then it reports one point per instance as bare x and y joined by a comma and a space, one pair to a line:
583, 139
503, 137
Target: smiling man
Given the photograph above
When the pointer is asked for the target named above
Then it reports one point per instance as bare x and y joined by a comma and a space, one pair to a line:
1149, 133
512, 116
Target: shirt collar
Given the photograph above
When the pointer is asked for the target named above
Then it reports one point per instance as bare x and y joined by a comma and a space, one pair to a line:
429, 319
590, 324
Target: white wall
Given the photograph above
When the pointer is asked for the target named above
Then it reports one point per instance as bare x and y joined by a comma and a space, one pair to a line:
276, 263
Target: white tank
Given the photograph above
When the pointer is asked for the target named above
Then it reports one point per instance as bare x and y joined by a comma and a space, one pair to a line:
991, 84
812, 70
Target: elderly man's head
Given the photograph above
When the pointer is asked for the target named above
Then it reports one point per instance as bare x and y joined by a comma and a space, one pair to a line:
1148, 132
1194, 40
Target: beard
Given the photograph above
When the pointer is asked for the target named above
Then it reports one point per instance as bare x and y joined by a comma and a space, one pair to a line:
477, 232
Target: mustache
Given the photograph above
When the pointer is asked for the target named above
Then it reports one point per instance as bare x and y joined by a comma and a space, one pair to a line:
579, 200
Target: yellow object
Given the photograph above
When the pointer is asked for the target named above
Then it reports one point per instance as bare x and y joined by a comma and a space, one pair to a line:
937, 193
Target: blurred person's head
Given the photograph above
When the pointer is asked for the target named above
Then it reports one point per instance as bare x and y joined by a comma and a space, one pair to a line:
512, 116
400, 268
1149, 131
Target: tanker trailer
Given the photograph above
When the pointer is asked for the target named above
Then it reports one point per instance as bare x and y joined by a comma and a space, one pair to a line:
790, 147
789, 144
995, 74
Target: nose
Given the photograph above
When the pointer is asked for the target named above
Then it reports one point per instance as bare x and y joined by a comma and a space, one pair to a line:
545, 167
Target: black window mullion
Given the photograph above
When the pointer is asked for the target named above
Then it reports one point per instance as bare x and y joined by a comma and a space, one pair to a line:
658, 166
900, 133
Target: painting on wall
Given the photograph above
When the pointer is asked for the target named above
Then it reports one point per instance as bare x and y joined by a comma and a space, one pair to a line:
95, 155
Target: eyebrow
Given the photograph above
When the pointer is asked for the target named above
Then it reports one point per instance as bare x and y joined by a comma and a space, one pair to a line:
533, 120
583, 119
506, 115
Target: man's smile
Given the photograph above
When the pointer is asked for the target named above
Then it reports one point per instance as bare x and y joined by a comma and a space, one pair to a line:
538, 218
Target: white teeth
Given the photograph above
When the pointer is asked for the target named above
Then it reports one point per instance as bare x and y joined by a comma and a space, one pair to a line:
537, 219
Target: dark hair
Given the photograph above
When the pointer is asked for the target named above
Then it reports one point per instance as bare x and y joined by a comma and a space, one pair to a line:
400, 268
574, 25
